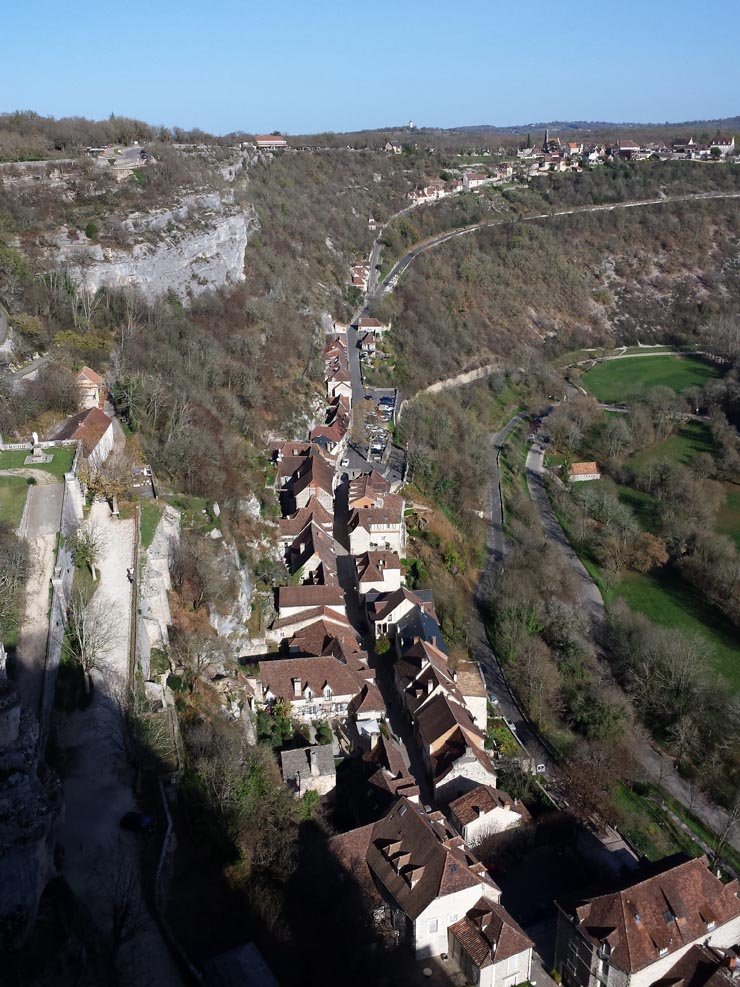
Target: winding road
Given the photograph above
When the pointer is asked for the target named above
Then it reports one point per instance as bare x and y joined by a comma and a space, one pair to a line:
389, 282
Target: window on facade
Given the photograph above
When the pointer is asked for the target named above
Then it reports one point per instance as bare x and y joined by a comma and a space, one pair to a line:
452, 918
432, 926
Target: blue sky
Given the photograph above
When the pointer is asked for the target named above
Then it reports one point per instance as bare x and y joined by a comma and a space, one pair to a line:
303, 67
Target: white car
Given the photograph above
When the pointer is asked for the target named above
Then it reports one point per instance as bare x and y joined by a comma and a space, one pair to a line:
344, 463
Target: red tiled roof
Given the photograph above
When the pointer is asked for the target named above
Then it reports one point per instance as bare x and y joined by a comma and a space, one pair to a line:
309, 596
583, 469
666, 911
277, 676
484, 799
488, 934
87, 374
88, 426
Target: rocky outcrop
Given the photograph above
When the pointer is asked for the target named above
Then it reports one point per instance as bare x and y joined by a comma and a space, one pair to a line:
30, 816
231, 623
196, 246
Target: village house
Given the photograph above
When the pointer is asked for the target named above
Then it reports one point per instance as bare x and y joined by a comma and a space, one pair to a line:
704, 966
325, 637
378, 572
634, 936
472, 180
309, 769
336, 369
95, 430
92, 388
289, 528
295, 600
384, 612
392, 147
583, 471
313, 554
390, 776
367, 712
314, 478
725, 145
367, 343
369, 323
332, 436
416, 872
367, 490
489, 947
270, 142
317, 688
453, 747
485, 810
285, 627
380, 526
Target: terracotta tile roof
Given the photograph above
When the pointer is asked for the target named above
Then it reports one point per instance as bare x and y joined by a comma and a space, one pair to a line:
369, 700
88, 426
316, 473
327, 637
482, 800
488, 934
314, 541
666, 911
417, 858
395, 599
277, 676
90, 375
370, 323
701, 966
368, 486
443, 714
290, 527
350, 851
309, 596
583, 469
372, 565
320, 613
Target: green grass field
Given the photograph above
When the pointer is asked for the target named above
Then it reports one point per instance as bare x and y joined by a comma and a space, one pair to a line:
13, 493
665, 599
622, 381
682, 447
151, 512
728, 519
60, 464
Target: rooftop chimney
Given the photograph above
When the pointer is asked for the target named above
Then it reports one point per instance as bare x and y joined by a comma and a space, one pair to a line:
313, 761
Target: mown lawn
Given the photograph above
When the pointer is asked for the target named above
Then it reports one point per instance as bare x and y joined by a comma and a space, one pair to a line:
652, 832
13, 493
728, 519
621, 381
60, 464
665, 599
685, 445
151, 512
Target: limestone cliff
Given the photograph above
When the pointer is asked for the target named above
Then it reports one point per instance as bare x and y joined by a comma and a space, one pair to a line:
195, 246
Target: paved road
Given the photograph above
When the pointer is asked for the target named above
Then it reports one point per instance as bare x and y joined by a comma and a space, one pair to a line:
588, 592
45, 509
390, 281
495, 540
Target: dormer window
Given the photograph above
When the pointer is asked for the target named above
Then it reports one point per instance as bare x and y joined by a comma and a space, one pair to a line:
663, 951
327, 692
637, 918
711, 925
309, 693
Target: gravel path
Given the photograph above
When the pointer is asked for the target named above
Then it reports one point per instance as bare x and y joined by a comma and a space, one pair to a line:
99, 784
31, 650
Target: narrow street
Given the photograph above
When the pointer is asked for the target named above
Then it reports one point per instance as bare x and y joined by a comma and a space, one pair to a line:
397, 720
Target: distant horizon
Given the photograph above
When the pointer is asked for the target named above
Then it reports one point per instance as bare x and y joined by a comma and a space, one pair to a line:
518, 127
310, 68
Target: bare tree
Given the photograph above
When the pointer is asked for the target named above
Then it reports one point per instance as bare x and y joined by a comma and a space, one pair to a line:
90, 632
120, 910
88, 543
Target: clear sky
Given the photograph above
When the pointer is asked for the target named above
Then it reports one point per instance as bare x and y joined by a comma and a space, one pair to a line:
304, 66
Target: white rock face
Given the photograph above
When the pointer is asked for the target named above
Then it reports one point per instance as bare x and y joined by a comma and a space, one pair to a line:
196, 246
232, 624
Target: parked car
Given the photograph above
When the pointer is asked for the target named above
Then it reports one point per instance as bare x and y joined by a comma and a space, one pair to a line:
137, 822
344, 463
493, 700
541, 769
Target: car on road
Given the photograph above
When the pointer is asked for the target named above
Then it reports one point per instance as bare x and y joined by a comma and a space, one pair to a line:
493, 700
137, 822
541, 769
344, 463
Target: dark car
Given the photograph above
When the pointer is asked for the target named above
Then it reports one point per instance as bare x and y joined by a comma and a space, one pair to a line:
137, 822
